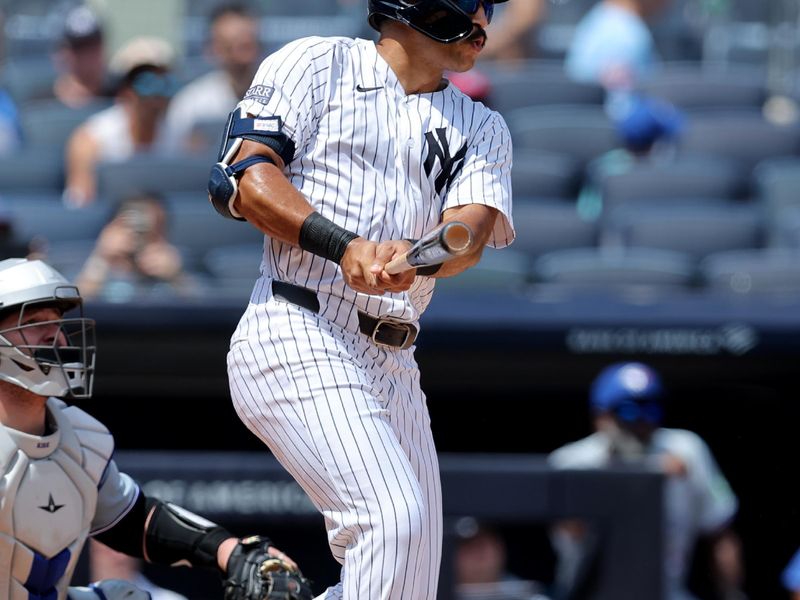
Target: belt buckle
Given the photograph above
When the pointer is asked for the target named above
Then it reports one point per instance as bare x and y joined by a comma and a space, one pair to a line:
395, 324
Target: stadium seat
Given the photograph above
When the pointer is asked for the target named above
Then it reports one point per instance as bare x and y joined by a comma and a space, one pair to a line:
762, 271
539, 84
544, 175
603, 267
46, 219
48, 123
666, 181
207, 136
503, 270
579, 132
197, 228
692, 86
776, 183
28, 78
32, 171
544, 225
69, 256
745, 137
784, 229
151, 172
695, 230
233, 269
235, 261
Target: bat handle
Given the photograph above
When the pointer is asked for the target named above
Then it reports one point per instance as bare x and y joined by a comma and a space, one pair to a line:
398, 265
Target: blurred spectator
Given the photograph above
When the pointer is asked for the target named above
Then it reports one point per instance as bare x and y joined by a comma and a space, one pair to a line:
234, 46
647, 129
106, 563
10, 130
480, 566
133, 124
626, 402
791, 577
79, 60
133, 256
613, 45
513, 35
474, 83
9, 245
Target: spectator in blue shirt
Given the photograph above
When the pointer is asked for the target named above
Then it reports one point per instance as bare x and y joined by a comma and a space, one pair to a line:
10, 131
613, 45
9, 124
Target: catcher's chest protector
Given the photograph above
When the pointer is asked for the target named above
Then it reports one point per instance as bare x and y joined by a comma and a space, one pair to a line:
48, 494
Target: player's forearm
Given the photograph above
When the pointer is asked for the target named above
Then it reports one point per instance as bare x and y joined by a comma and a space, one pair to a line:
270, 202
481, 220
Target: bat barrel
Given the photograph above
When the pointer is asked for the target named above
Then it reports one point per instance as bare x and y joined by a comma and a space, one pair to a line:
456, 238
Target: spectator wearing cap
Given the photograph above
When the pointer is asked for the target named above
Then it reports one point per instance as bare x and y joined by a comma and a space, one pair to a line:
235, 48
647, 129
80, 60
132, 125
626, 402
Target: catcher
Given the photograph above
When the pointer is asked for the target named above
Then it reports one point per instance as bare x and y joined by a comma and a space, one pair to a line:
59, 483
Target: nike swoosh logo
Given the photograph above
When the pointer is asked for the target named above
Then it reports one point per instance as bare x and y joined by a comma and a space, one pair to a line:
361, 88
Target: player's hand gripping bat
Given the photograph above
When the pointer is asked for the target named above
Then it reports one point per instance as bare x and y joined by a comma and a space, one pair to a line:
445, 242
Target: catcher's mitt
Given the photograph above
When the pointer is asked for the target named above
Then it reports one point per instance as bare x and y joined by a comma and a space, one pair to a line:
255, 575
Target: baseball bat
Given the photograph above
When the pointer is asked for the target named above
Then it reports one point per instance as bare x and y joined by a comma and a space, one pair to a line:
440, 244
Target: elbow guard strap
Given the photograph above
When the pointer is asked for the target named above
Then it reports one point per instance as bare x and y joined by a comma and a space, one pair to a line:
324, 238
174, 536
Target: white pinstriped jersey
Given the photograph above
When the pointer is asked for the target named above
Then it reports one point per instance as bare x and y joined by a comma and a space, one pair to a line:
376, 161
345, 416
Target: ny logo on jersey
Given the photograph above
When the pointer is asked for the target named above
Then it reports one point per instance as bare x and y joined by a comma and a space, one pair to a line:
451, 165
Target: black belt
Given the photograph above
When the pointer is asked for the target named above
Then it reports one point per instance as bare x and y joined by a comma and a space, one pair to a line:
383, 332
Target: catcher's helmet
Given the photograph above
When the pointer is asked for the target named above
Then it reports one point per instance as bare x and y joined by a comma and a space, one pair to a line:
60, 363
631, 391
445, 21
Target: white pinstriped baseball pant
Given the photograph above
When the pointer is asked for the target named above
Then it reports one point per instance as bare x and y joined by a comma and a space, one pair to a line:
348, 421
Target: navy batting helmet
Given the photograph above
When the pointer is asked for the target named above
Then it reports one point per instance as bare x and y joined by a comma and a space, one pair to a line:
631, 391
445, 21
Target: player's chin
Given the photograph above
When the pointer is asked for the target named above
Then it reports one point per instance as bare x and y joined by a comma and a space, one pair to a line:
466, 58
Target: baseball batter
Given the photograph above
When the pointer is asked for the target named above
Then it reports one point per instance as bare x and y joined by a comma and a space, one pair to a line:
58, 481
343, 151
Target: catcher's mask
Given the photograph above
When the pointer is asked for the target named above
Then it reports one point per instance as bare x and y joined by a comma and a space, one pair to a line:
53, 357
445, 21
631, 391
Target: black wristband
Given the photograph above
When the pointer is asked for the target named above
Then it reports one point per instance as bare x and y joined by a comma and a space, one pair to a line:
429, 271
324, 238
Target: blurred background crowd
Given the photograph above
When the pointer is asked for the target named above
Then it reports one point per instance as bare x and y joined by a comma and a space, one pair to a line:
655, 140
657, 158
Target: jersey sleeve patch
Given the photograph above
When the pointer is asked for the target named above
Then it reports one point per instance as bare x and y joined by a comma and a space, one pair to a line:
259, 93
